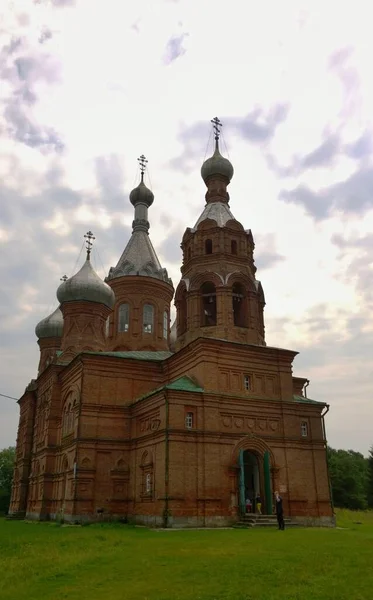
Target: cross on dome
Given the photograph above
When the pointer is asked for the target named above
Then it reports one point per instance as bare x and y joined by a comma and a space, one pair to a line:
217, 125
142, 164
89, 236
64, 278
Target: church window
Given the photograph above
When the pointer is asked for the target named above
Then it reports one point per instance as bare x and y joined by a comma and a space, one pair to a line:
148, 318
107, 326
148, 483
124, 318
304, 429
208, 296
233, 247
247, 383
208, 246
189, 420
182, 316
239, 305
165, 325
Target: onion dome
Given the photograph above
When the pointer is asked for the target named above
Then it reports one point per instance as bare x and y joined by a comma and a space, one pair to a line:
141, 195
216, 166
87, 286
51, 326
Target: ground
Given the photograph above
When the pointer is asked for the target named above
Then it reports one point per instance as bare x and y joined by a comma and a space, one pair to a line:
40, 560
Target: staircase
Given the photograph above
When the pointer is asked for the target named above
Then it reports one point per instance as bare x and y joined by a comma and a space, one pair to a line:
254, 520
18, 516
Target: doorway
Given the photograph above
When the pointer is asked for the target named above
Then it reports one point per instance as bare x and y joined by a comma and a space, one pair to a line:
254, 479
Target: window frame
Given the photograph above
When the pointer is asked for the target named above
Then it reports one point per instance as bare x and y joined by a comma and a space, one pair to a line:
145, 319
126, 324
247, 383
189, 420
166, 325
304, 429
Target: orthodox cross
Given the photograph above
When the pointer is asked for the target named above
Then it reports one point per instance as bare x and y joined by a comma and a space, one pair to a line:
142, 164
64, 278
217, 125
89, 236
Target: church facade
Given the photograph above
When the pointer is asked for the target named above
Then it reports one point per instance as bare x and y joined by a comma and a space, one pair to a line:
169, 426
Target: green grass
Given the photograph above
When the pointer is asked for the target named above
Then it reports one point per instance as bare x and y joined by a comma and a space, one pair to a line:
115, 562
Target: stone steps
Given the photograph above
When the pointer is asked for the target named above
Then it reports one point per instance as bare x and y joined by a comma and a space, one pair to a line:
16, 516
252, 520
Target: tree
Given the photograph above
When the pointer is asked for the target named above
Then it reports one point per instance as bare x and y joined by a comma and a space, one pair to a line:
7, 457
370, 477
349, 478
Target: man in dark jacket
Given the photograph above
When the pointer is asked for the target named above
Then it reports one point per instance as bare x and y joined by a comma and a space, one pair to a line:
279, 512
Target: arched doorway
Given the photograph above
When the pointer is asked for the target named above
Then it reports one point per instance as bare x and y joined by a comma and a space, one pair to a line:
254, 478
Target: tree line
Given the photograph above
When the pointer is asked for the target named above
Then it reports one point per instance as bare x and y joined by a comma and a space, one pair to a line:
351, 478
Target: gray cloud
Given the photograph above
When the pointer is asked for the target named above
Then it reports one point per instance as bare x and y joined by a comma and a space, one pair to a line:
339, 369
24, 72
256, 127
358, 253
174, 48
352, 196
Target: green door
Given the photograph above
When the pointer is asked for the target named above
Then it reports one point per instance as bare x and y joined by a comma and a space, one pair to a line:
267, 483
241, 484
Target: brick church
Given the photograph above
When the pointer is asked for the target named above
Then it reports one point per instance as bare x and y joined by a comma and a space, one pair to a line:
169, 426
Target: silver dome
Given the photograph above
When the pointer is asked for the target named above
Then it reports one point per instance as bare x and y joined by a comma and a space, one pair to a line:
51, 326
142, 195
86, 285
217, 165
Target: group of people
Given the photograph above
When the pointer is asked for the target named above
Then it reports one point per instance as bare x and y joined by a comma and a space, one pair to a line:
278, 508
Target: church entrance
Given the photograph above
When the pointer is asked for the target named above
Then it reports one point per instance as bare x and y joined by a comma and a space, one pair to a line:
254, 480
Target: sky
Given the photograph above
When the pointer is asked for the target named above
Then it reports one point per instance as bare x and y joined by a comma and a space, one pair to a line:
87, 86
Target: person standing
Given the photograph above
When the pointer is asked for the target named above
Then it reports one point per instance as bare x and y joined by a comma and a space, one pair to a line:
258, 503
279, 512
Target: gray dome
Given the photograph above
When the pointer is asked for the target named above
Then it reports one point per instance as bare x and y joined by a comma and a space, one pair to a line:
51, 326
217, 165
141, 195
86, 285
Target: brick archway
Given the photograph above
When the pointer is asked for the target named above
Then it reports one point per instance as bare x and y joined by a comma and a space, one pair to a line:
254, 444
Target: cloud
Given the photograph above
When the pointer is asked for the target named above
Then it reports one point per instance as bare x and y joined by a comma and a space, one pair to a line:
356, 252
353, 196
174, 48
256, 127
266, 255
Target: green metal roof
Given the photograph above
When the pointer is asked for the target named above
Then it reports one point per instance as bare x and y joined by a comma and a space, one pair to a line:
183, 384
136, 355
307, 400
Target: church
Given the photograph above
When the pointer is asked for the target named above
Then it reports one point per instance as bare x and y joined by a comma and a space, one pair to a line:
131, 418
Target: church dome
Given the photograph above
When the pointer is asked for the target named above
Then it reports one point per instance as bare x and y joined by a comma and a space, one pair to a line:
217, 165
141, 195
86, 285
51, 326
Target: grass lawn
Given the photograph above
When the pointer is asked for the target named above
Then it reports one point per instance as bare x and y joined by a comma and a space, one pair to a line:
41, 561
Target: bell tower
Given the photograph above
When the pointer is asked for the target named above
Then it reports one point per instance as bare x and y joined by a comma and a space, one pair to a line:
218, 295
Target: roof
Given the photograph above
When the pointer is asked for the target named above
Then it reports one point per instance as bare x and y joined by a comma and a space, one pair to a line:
217, 211
136, 355
182, 384
139, 258
304, 400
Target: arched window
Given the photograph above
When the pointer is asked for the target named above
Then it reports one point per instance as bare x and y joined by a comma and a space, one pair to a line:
182, 316
239, 305
208, 246
148, 318
124, 317
165, 325
107, 327
233, 247
208, 297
